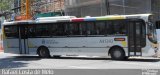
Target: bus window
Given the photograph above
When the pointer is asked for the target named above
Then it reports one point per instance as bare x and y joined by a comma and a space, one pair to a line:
109, 27
61, 30
101, 28
122, 28
53, 30
57, 29
42, 30
83, 29
66, 30
91, 28
11, 31
116, 27
31, 31
74, 29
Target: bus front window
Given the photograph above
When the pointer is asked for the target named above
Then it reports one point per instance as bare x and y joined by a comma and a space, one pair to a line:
152, 33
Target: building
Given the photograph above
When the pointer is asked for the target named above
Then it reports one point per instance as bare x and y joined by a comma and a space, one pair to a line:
83, 8
38, 6
45, 6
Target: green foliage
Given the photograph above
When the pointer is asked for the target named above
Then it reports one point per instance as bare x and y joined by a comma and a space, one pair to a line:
5, 5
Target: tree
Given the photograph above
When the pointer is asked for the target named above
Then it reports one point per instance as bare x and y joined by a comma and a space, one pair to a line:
5, 5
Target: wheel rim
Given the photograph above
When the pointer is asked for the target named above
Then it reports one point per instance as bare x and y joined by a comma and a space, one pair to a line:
117, 53
42, 52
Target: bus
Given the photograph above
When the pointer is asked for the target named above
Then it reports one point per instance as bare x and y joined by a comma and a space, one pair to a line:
1, 43
115, 36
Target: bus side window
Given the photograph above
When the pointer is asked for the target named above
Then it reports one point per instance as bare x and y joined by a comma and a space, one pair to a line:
57, 29
91, 30
42, 30
31, 31
70, 29
83, 29
54, 30
109, 27
122, 27
61, 30
11, 31
100, 28
66, 29
116, 27
75, 29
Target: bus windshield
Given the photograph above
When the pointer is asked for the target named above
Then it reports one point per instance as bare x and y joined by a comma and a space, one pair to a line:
152, 32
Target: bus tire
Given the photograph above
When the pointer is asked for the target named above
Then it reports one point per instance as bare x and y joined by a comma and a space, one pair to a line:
117, 53
43, 52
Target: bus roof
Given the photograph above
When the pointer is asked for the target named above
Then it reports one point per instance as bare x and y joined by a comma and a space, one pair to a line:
19, 22
54, 19
113, 17
42, 20
145, 17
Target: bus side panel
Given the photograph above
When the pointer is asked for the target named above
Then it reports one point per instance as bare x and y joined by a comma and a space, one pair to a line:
11, 46
78, 45
79, 51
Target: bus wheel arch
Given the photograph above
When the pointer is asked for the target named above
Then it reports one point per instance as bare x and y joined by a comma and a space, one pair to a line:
117, 50
43, 52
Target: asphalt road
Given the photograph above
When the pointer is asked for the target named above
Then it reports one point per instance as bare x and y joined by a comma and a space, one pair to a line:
12, 61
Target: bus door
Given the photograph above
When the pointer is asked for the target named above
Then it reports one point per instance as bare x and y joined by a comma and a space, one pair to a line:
135, 38
23, 40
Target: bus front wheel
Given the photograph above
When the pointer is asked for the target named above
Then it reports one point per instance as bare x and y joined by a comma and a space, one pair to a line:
43, 52
117, 53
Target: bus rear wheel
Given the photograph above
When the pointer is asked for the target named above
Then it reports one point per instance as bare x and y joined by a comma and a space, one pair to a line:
43, 52
117, 53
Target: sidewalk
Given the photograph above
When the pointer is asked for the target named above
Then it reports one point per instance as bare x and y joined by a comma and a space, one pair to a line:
1, 52
6, 55
2, 55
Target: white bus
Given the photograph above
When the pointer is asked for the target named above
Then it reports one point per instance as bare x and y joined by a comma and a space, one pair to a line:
1, 41
118, 36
